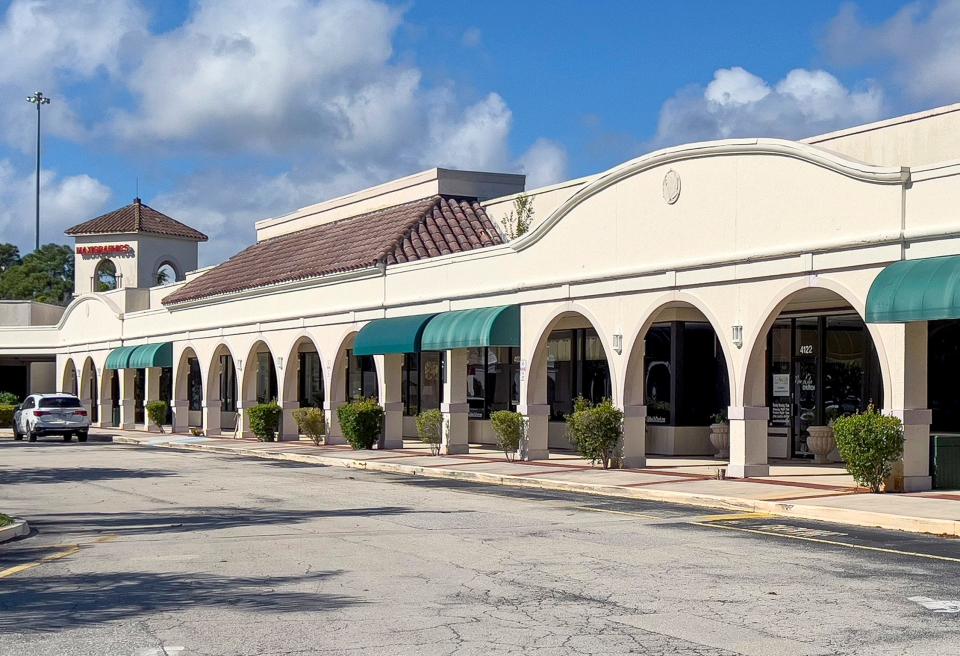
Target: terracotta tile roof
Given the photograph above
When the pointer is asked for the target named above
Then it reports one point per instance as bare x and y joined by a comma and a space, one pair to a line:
136, 217
403, 233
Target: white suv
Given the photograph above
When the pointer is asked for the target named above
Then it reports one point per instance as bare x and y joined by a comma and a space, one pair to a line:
51, 414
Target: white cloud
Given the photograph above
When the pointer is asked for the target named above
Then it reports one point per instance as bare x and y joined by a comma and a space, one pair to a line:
544, 163
737, 103
920, 44
47, 45
63, 203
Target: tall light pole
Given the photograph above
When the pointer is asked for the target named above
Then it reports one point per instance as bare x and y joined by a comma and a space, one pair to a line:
38, 99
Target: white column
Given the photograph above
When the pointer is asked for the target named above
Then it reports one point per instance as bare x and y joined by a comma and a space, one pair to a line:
908, 373
390, 383
151, 392
335, 434
289, 430
748, 441
455, 437
243, 407
535, 445
635, 436
127, 402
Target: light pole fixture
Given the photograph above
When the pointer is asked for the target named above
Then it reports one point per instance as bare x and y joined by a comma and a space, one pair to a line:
737, 335
38, 99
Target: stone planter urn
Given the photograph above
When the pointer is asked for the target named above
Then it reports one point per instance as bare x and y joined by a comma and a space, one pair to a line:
720, 439
820, 443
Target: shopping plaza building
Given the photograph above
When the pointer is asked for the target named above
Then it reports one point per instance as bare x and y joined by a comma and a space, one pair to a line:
779, 283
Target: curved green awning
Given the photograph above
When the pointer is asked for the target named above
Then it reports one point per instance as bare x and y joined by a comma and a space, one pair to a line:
916, 290
396, 335
119, 358
496, 326
151, 355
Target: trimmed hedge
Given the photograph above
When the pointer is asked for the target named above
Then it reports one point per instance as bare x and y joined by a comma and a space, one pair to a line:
312, 422
430, 428
264, 421
8, 398
596, 430
6, 415
869, 444
157, 412
361, 422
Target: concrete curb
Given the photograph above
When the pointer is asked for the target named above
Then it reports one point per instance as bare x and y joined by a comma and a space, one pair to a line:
945, 527
19, 528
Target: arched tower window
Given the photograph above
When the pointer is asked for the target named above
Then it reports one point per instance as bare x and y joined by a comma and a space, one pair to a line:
105, 277
166, 273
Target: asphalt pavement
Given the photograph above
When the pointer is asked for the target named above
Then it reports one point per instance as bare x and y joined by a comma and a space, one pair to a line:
148, 551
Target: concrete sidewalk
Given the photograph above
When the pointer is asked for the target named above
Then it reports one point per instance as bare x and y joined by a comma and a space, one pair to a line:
794, 490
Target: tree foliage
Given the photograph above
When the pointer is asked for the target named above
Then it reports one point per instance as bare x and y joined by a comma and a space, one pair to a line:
517, 222
46, 275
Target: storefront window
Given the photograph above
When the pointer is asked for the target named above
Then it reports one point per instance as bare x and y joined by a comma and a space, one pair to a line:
195, 385
228, 384
266, 378
361, 377
943, 363
493, 380
561, 383
476, 382
166, 391
310, 380
658, 373
139, 379
422, 387
576, 366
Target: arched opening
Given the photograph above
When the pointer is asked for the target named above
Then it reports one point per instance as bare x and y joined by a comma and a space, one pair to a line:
166, 273
70, 383
222, 392
105, 276
357, 374
570, 361
814, 360
678, 371
259, 375
188, 392
303, 385
89, 390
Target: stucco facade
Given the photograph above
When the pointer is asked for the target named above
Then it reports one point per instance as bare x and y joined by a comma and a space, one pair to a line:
731, 233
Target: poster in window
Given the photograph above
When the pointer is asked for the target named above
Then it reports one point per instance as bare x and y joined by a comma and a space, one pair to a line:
781, 384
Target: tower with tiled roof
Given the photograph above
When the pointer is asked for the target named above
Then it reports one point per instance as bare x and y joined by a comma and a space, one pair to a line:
133, 247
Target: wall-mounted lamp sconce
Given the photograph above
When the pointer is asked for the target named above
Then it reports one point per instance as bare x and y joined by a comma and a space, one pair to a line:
239, 363
280, 363
738, 336
618, 343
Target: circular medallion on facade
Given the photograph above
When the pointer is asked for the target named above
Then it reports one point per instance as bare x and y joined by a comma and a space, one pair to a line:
671, 186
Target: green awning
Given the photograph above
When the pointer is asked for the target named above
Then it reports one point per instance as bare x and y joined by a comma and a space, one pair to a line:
916, 290
151, 355
396, 335
119, 357
496, 326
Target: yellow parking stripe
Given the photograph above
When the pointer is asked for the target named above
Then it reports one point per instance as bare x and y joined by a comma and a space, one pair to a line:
10, 571
733, 517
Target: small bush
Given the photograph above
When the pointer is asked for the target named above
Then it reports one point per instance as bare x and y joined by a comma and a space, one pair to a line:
596, 430
312, 423
510, 428
430, 429
869, 443
157, 413
264, 420
361, 422
6, 415
8, 398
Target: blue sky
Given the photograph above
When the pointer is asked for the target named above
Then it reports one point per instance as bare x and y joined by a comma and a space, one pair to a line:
233, 111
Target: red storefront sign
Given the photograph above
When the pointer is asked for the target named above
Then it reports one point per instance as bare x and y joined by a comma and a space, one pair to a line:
110, 249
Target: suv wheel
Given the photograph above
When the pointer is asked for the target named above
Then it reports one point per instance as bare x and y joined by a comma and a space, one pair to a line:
17, 435
67, 437
82, 436
32, 436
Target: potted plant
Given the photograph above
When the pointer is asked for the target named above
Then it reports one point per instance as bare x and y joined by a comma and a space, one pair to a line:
264, 421
720, 435
430, 429
510, 428
312, 422
820, 440
361, 422
870, 444
157, 413
596, 430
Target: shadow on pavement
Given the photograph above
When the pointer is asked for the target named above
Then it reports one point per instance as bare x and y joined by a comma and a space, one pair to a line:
35, 604
10, 476
191, 519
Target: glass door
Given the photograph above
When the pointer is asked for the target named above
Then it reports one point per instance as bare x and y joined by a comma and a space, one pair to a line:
806, 384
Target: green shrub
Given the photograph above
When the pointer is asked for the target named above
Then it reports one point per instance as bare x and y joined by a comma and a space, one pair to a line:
6, 415
312, 423
264, 420
596, 430
157, 413
8, 398
361, 422
869, 443
430, 429
510, 428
